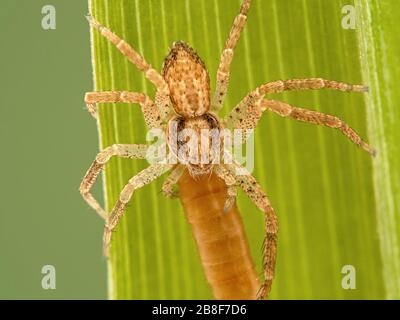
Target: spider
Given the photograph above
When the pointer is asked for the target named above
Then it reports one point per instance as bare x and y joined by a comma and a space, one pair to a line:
183, 96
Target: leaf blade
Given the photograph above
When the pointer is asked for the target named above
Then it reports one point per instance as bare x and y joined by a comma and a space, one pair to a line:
154, 255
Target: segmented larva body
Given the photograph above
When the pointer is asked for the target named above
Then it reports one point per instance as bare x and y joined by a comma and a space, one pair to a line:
220, 237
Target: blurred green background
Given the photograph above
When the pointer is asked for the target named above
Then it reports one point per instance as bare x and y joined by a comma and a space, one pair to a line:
47, 142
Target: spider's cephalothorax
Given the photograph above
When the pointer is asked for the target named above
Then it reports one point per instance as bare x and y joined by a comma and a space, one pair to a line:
192, 134
196, 142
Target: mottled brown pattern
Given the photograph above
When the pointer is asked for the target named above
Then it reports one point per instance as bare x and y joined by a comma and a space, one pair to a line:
188, 81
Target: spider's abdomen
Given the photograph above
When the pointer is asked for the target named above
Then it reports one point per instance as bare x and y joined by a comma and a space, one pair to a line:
188, 81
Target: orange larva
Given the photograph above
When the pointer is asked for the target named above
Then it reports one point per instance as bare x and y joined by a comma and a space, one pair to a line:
220, 238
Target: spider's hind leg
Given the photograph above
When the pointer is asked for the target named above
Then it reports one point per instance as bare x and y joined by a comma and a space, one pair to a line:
141, 179
250, 186
132, 151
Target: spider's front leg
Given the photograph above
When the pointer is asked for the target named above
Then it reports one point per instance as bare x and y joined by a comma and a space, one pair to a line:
314, 117
231, 184
140, 62
141, 179
132, 151
249, 111
310, 84
152, 115
168, 187
250, 186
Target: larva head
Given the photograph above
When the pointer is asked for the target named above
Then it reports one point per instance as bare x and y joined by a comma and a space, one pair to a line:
188, 81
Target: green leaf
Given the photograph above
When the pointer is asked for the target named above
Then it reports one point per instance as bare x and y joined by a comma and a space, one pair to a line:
320, 184
380, 48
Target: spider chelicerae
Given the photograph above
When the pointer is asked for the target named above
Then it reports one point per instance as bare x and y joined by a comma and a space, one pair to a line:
183, 96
